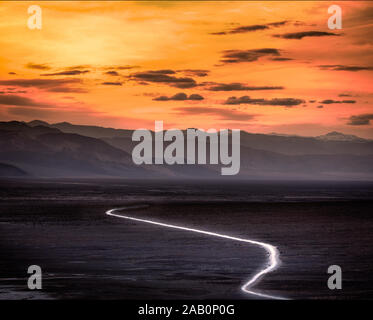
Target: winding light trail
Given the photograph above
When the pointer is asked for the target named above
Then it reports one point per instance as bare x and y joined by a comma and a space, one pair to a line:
273, 259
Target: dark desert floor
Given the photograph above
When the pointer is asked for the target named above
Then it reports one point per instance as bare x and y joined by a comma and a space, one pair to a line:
62, 226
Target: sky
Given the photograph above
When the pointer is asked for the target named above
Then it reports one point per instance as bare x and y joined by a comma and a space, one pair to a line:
256, 66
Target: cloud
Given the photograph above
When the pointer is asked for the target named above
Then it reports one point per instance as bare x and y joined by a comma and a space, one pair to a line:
15, 100
250, 28
11, 73
66, 73
164, 76
37, 66
126, 67
112, 73
223, 114
287, 102
361, 119
301, 35
68, 89
179, 97
40, 83
236, 86
330, 101
52, 85
236, 56
12, 91
320, 107
108, 83
339, 67
195, 72
281, 59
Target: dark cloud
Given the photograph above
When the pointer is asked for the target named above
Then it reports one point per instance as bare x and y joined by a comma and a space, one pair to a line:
15, 100
11, 73
236, 86
112, 73
195, 72
164, 76
108, 83
338, 67
287, 102
179, 97
195, 96
344, 95
281, 59
66, 73
128, 67
236, 56
320, 107
361, 119
301, 35
222, 113
79, 67
162, 71
38, 66
330, 101
250, 28
40, 83
278, 24
68, 89
53, 85
12, 91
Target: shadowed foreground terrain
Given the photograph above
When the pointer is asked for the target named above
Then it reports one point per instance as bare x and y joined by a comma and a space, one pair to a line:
62, 226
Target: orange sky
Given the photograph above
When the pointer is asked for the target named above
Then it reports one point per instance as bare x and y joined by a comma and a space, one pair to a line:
98, 63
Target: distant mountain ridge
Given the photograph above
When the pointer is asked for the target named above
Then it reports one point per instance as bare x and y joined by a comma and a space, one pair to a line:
46, 151
40, 149
338, 136
90, 131
7, 170
284, 144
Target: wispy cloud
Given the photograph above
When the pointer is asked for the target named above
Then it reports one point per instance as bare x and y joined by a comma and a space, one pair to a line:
164, 76
236, 56
301, 35
179, 97
16, 100
52, 85
361, 119
108, 83
37, 66
66, 73
250, 28
339, 67
330, 101
236, 86
287, 102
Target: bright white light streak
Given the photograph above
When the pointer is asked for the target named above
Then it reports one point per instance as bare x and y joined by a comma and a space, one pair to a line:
273, 259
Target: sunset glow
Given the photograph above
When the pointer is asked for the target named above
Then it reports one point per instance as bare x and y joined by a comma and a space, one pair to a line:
127, 64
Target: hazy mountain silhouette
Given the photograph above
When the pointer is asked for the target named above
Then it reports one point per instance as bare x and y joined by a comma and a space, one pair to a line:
44, 151
51, 150
338, 136
89, 131
7, 170
331, 143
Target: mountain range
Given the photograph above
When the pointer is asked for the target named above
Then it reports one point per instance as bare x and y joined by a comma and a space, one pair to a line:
40, 149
